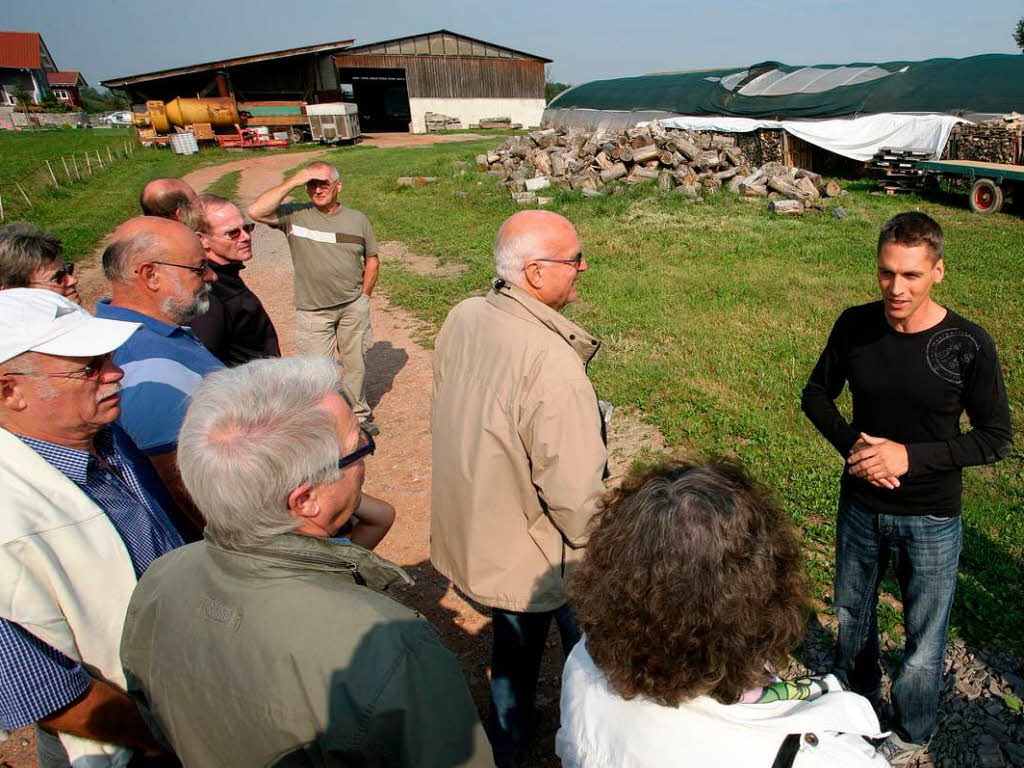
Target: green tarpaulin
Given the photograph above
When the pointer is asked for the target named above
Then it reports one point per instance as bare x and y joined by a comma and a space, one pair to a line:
993, 83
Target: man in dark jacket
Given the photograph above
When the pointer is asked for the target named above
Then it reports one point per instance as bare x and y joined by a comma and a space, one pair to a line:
272, 642
236, 328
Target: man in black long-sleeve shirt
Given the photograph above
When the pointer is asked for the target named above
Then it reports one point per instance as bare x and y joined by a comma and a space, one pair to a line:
913, 367
236, 328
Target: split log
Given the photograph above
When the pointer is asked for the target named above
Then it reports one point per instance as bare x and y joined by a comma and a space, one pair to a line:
519, 150
833, 190
727, 174
525, 198
493, 157
603, 161
707, 158
539, 182
413, 181
617, 171
481, 161
639, 142
545, 200
559, 163
666, 158
690, 191
721, 142
805, 185
687, 148
644, 153
639, 173
786, 207
734, 156
734, 185
625, 155
666, 181
542, 162
753, 190
678, 159
781, 185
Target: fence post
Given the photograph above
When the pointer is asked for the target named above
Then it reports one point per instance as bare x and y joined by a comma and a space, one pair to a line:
88, 163
1, 207
53, 176
66, 171
99, 162
110, 155
74, 161
23, 194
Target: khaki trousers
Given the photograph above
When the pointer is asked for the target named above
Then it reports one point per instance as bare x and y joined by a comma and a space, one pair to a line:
341, 333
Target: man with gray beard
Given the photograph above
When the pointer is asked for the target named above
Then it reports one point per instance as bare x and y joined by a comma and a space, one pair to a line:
159, 278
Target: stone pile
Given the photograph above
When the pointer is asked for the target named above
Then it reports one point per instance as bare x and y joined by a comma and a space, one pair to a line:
691, 164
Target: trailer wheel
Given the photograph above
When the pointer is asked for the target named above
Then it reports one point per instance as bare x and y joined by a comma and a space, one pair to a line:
985, 197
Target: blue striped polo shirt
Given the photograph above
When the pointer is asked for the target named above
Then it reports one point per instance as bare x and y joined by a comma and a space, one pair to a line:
162, 364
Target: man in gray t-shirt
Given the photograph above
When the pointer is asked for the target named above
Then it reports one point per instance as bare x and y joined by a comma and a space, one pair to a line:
334, 253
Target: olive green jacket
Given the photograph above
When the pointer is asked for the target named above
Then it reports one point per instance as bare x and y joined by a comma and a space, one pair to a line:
287, 654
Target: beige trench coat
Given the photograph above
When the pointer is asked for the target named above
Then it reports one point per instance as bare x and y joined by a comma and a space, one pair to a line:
518, 456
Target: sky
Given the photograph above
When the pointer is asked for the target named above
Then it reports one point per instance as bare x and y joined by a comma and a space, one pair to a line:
587, 40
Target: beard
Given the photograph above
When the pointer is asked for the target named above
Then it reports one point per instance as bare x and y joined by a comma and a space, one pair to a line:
183, 312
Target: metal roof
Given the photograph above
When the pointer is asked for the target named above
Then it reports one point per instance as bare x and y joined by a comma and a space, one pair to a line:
367, 47
116, 82
20, 50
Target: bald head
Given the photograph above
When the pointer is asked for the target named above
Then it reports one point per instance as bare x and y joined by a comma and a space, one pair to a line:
166, 198
535, 250
144, 237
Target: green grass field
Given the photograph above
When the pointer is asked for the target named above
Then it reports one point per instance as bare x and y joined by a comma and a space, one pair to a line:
712, 316
22, 152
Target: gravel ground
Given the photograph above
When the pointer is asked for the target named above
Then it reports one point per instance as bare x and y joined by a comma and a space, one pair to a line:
976, 726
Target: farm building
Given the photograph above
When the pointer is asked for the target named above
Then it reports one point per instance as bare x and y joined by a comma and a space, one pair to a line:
25, 63
65, 86
397, 82
296, 74
818, 112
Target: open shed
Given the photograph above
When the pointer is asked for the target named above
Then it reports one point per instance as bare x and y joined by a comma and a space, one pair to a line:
397, 82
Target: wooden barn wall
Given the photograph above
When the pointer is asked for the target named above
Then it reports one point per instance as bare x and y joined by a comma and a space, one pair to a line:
458, 77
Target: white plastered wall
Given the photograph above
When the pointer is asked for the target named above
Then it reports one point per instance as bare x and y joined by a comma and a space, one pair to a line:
525, 111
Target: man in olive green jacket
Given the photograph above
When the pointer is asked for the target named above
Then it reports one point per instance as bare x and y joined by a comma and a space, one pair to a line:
518, 457
271, 643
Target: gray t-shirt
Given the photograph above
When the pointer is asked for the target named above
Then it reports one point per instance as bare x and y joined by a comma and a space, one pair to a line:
328, 252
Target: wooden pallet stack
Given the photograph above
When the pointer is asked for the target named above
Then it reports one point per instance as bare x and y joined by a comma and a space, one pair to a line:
896, 169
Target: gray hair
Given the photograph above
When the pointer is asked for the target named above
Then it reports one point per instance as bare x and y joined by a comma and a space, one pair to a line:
251, 436
120, 256
512, 253
25, 248
334, 171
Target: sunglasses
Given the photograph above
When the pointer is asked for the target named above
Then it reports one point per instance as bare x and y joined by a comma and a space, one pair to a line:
234, 234
58, 277
90, 370
366, 448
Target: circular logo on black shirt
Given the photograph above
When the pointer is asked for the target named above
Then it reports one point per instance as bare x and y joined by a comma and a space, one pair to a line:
950, 352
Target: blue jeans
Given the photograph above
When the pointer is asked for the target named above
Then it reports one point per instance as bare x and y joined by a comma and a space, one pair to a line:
926, 550
519, 640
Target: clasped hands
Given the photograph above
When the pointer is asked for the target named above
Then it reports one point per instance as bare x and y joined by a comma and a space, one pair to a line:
879, 461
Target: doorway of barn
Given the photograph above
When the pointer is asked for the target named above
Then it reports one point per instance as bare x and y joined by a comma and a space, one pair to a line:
381, 96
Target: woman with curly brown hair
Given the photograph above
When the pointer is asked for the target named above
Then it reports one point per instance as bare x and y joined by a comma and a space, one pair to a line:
691, 588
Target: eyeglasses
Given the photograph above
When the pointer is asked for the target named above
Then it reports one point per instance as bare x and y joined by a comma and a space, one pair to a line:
234, 234
58, 277
366, 448
576, 261
91, 370
198, 270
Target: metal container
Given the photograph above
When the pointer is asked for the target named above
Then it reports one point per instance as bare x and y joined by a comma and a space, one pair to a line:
219, 112
330, 123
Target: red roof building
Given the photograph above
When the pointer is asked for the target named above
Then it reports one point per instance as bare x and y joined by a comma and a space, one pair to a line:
65, 85
26, 65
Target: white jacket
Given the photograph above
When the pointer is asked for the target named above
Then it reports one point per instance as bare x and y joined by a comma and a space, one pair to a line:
65, 575
600, 729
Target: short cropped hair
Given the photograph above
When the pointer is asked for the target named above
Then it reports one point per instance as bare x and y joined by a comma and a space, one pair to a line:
692, 581
24, 249
912, 229
120, 256
512, 253
251, 436
163, 200
335, 175
194, 213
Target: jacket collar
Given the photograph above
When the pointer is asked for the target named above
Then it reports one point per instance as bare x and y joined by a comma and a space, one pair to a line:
310, 553
515, 301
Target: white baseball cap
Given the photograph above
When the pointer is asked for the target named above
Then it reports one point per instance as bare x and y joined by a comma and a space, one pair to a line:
38, 320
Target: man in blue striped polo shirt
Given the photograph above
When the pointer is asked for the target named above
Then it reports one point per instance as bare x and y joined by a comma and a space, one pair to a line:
160, 279
82, 516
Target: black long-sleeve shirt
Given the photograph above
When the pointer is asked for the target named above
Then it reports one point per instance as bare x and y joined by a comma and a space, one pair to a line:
236, 328
912, 388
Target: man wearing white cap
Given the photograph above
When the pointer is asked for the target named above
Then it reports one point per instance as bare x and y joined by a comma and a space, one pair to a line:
83, 515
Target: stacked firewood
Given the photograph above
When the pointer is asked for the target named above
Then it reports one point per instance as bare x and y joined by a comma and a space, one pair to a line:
993, 141
691, 164
437, 122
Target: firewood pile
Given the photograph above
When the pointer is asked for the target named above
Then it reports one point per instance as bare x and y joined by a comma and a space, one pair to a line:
691, 164
992, 141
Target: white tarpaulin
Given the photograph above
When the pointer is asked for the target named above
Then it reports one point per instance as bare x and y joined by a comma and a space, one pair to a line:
858, 138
